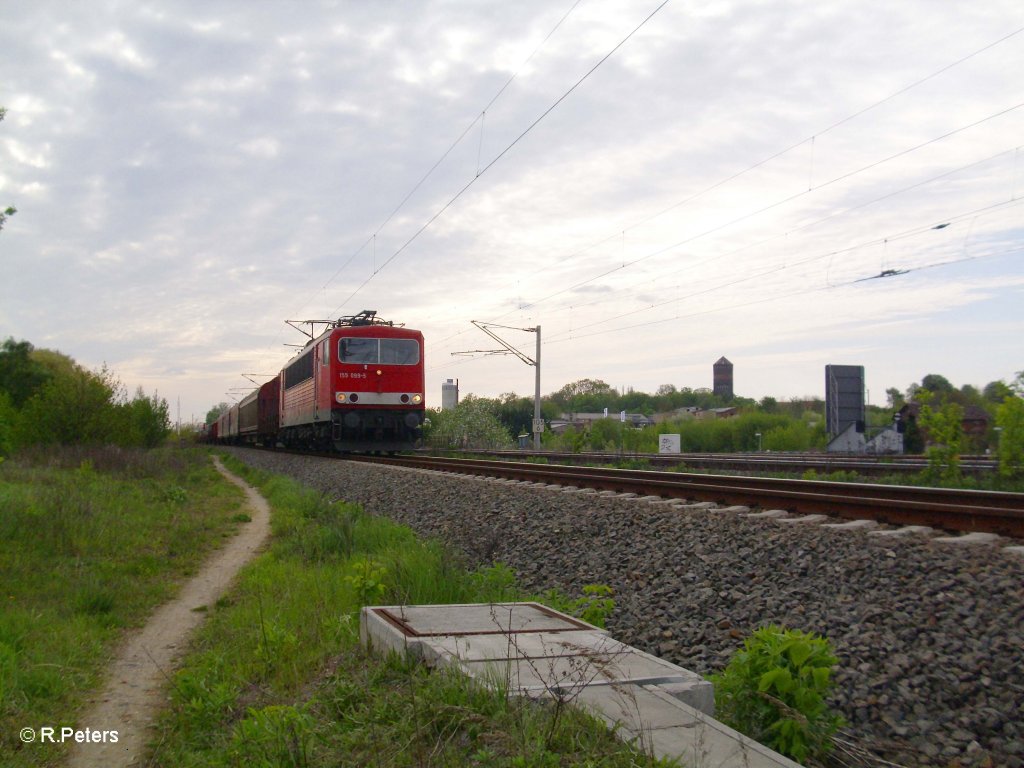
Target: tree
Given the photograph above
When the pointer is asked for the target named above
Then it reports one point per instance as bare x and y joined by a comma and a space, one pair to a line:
77, 408
146, 420
944, 426
996, 392
937, 384
895, 398
1017, 385
213, 414
8, 417
1010, 420
573, 395
21, 375
515, 413
9, 210
473, 423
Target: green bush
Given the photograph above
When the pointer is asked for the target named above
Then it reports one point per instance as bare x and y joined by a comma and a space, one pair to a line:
774, 690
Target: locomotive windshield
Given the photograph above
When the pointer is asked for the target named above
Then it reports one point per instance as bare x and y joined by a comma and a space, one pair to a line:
365, 351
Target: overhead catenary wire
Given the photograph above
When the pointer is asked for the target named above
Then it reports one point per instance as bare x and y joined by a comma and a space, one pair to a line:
782, 152
373, 237
803, 262
809, 224
783, 201
811, 138
437, 214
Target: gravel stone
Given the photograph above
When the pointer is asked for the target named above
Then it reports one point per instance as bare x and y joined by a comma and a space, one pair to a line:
928, 636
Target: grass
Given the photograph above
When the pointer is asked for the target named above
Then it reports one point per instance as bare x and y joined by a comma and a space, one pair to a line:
277, 675
91, 541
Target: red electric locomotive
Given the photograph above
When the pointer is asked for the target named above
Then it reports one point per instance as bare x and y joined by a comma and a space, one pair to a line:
358, 386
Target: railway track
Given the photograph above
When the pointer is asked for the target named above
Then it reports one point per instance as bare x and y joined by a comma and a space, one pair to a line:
761, 462
951, 509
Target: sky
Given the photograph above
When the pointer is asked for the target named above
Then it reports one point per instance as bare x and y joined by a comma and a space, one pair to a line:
655, 185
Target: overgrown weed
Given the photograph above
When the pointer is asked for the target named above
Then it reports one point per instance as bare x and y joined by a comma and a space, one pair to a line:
290, 631
91, 540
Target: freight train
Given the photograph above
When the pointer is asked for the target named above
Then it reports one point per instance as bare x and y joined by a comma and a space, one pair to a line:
356, 387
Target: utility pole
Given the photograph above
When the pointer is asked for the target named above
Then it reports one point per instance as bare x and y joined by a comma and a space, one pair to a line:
538, 422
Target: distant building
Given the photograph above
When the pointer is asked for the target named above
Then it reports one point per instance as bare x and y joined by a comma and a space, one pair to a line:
717, 413
975, 424
723, 379
584, 420
844, 399
449, 394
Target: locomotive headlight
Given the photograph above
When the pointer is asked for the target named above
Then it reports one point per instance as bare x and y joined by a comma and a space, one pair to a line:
417, 399
339, 396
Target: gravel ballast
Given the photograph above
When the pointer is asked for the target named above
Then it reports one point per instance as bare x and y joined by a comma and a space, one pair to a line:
930, 636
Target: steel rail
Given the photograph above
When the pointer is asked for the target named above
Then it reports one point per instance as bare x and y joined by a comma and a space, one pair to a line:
953, 509
761, 462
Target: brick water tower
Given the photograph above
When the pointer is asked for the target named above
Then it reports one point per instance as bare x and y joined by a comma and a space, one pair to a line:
723, 379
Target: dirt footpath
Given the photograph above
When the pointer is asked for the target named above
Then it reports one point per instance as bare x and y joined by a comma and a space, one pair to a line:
134, 693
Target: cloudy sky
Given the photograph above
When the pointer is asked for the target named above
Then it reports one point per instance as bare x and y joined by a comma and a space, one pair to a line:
787, 184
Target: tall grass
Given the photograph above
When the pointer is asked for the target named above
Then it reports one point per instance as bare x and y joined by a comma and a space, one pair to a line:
91, 540
278, 675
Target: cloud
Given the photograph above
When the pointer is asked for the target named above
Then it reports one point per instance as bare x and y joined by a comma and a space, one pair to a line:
189, 175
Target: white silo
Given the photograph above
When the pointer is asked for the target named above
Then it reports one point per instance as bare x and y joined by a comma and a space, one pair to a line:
449, 394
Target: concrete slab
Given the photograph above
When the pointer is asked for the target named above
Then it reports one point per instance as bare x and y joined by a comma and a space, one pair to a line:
650, 498
737, 509
770, 513
970, 538
663, 726
1019, 551
852, 525
480, 619
804, 519
570, 673
906, 530
536, 651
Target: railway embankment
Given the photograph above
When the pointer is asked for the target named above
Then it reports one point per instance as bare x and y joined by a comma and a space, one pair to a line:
928, 634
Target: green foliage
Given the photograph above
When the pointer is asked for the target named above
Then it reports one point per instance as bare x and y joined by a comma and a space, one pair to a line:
367, 580
594, 607
944, 426
473, 423
145, 421
774, 690
9, 210
216, 411
272, 736
1010, 420
91, 541
20, 375
50, 400
8, 414
283, 649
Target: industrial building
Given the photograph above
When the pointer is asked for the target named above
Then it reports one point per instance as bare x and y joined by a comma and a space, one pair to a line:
844, 399
723, 379
449, 394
